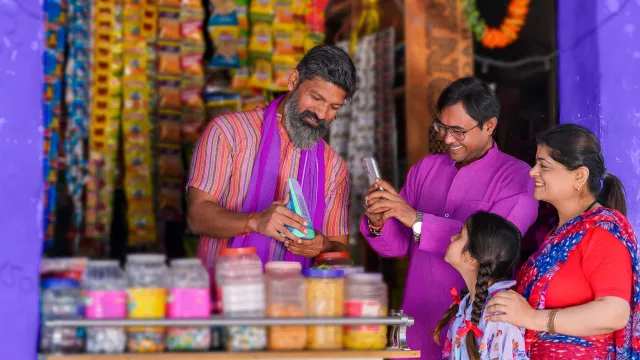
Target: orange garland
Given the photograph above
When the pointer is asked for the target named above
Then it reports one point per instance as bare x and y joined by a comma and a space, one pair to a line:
509, 29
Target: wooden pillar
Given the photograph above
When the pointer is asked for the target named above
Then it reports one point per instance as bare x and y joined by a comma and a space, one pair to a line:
438, 50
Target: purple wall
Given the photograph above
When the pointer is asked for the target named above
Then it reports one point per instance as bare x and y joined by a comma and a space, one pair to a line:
599, 81
21, 77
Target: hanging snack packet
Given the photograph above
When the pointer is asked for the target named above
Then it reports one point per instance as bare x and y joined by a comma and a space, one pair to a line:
192, 4
192, 95
191, 27
283, 35
240, 78
225, 39
313, 39
283, 12
262, 76
169, 93
191, 61
262, 10
242, 14
261, 42
282, 65
169, 131
169, 3
169, 59
299, 34
222, 8
169, 24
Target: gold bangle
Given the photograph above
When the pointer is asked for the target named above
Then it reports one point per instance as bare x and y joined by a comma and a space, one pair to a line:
551, 321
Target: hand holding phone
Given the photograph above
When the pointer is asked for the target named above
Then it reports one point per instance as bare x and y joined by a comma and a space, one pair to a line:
371, 166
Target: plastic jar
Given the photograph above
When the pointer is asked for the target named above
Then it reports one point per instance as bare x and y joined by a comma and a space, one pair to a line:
147, 277
61, 299
366, 296
285, 291
105, 298
188, 299
332, 260
325, 299
352, 270
240, 290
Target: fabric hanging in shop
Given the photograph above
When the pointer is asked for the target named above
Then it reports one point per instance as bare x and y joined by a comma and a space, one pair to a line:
367, 128
106, 114
78, 77
339, 130
386, 127
55, 35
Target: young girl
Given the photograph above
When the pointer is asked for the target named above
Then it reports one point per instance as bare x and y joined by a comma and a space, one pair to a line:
484, 253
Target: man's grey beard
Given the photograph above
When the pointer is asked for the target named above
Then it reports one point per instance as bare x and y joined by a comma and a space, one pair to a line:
301, 133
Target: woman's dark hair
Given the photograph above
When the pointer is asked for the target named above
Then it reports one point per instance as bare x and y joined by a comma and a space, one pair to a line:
574, 146
331, 64
477, 98
494, 242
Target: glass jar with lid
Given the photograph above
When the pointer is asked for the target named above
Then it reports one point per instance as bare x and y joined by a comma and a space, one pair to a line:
188, 298
147, 276
333, 260
366, 296
285, 293
61, 299
105, 295
325, 298
240, 293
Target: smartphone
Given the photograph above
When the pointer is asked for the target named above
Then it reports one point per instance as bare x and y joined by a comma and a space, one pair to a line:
371, 166
299, 206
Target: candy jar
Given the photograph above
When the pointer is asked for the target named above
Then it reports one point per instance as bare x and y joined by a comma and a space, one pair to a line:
147, 277
285, 292
332, 260
61, 299
240, 290
365, 296
105, 298
188, 299
325, 299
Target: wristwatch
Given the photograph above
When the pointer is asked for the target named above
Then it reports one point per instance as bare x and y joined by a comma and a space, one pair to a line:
417, 227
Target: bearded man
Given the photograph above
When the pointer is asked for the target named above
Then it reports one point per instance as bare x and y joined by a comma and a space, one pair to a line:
237, 185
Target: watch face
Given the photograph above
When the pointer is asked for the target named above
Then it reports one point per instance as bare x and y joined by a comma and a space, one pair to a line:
417, 227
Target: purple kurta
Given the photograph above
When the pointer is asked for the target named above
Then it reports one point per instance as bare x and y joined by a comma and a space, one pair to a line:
447, 196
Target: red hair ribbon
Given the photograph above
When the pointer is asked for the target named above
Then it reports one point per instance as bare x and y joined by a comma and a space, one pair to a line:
468, 326
455, 296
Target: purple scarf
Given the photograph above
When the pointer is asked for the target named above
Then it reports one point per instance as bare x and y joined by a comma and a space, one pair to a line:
263, 183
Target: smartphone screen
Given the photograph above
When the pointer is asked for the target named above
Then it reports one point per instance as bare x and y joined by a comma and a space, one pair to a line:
371, 166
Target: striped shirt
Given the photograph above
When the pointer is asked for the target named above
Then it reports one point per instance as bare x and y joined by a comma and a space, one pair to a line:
223, 160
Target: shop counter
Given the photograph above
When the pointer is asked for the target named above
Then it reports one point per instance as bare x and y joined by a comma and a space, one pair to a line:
398, 348
288, 355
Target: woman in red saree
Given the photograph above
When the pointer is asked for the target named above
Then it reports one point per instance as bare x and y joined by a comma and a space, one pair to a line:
578, 296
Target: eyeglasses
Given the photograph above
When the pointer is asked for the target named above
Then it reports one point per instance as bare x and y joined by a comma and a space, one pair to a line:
457, 133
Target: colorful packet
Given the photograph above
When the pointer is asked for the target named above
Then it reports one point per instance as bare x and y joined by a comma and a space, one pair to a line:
240, 78
225, 39
191, 60
282, 65
191, 27
169, 62
169, 94
283, 12
169, 26
261, 42
242, 11
192, 96
169, 131
283, 36
262, 76
262, 10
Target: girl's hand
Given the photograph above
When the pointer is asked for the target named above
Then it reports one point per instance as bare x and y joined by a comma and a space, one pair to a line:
511, 307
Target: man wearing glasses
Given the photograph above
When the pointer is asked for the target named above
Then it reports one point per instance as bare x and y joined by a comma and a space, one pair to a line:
440, 193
